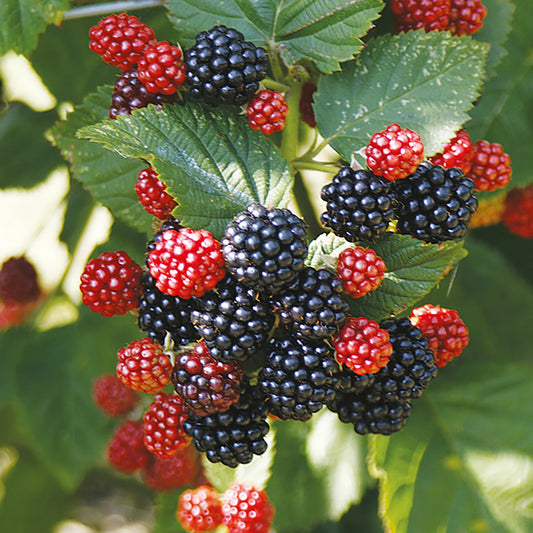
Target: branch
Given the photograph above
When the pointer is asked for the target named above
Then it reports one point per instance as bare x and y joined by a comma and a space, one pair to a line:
109, 7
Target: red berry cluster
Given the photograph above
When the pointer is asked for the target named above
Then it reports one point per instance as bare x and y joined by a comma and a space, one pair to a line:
458, 152
151, 192
518, 214
267, 111
361, 270
491, 166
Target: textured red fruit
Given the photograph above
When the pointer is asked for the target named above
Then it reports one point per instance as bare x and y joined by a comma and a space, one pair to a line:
518, 215
199, 509
394, 153
428, 15
443, 328
172, 473
186, 263
126, 451
362, 346
121, 40
152, 195
267, 111
111, 284
163, 425
459, 153
361, 270
144, 366
306, 103
18, 281
489, 211
112, 396
161, 69
246, 509
466, 16
491, 166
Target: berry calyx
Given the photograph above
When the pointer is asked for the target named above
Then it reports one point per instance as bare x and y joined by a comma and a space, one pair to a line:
458, 152
121, 39
112, 396
267, 111
144, 366
161, 69
18, 281
111, 284
360, 269
491, 166
246, 509
518, 214
428, 15
126, 451
186, 262
394, 153
199, 509
362, 346
151, 192
466, 16
163, 425
443, 328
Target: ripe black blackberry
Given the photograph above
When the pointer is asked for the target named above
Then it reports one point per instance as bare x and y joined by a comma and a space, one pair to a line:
160, 313
359, 205
235, 436
223, 68
298, 377
233, 320
129, 93
265, 248
312, 307
434, 204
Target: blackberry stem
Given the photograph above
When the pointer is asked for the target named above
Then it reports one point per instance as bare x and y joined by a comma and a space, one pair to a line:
109, 7
326, 166
301, 196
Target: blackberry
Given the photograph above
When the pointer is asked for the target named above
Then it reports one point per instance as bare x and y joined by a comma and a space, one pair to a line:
265, 247
235, 436
223, 68
434, 204
233, 321
298, 377
160, 313
312, 306
19, 281
169, 223
129, 94
359, 205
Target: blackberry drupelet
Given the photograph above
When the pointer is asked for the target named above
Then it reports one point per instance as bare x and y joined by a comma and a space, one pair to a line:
233, 320
265, 248
298, 377
434, 204
223, 68
235, 436
312, 307
359, 205
160, 313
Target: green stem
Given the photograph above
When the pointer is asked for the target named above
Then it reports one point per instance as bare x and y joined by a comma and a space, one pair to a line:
109, 7
291, 132
274, 85
329, 168
301, 196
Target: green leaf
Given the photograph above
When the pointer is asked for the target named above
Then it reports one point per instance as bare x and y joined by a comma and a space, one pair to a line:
467, 446
21, 22
422, 81
324, 251
166, 504
22, 133
212, 162
108, 176
324, 31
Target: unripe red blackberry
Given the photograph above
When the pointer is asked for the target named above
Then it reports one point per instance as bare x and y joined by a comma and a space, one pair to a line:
200, 509
394, 153
306, 103
267, 111
360, 270
112, 396
458, 152
178, 471
246, 509
491, 166
152, 194
126, 451
121, 40
161, 69
207, 386
466, 16
14, 313
18, 281
163, 425
111, 284
428, 15
443, 328
362, 346
186, 263
518, 215
144, 366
